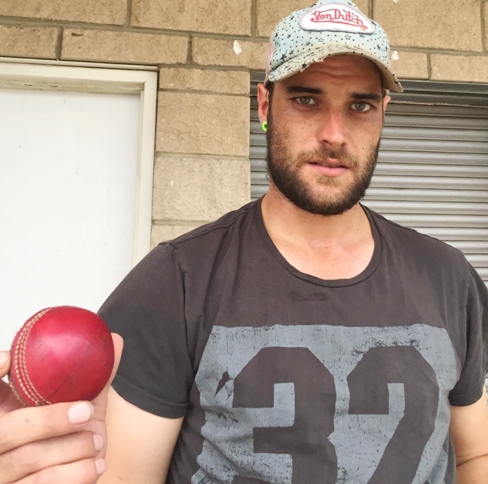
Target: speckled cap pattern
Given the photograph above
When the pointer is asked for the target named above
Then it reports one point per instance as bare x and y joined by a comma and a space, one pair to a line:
327, 28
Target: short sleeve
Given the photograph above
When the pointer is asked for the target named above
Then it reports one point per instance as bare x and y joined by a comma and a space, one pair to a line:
148, 310
468, 389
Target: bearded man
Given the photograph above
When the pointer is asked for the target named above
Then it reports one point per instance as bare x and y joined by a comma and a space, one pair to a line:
302, 338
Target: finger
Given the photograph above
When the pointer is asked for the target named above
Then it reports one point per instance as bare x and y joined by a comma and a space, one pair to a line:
38, 423
118, 347
4, 363
34, 457
8, 401
82, 472
100, 403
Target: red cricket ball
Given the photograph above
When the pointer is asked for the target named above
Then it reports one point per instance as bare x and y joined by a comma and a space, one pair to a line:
61, 354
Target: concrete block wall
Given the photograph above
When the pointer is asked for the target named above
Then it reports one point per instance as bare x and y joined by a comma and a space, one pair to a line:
205, 50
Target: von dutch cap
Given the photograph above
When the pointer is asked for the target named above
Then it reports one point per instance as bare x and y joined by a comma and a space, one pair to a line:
328, 28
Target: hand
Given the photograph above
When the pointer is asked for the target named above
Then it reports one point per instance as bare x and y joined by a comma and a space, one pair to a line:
57, 443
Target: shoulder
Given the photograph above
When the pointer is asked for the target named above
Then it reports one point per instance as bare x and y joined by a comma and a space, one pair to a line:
206, 242
195, 252
227, 223
431, 253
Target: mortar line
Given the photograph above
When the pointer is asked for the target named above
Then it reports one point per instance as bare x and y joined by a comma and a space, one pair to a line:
435, 50
254, 18
46, 23
208, 67
429, 67
59, 43
178, 223
189, 54
195, 156
205, 92
483, 26
129, 13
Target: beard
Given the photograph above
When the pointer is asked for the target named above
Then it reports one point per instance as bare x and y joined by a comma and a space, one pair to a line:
283, 170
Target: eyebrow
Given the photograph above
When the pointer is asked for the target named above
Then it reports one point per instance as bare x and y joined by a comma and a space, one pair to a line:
303, 89
358, 96
369, 96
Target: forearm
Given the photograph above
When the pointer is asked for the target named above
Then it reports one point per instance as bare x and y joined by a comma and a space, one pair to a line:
473, 471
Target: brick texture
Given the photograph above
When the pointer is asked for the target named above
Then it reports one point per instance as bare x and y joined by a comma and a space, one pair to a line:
162, 233
91, 11
363, 5
198, 190
459, 68
231, 82
203, 124
270, 12
214, 52
215, 16
410, 65
107, 46
28, 42
440, 24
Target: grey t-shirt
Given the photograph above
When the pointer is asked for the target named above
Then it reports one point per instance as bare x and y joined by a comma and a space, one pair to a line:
286, 378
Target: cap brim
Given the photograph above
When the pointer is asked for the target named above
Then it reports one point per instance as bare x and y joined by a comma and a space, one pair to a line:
322, 51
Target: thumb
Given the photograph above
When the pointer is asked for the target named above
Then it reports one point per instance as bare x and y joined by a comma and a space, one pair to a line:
101, 401
118, 347
4, 363
8, 401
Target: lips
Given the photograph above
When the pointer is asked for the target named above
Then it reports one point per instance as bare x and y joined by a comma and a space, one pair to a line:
329, 164
330, 168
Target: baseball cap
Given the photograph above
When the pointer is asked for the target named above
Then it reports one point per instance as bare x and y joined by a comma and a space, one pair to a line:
327, 28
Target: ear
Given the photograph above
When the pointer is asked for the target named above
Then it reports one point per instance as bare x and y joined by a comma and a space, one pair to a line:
263, 102
386, 100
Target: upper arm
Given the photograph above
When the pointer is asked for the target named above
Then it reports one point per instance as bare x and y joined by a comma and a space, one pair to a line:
469, 430
139, 444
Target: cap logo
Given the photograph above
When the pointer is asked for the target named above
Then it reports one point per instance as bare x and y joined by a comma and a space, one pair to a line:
337, 17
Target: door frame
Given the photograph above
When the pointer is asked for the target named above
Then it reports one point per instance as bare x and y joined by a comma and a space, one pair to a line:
19, 74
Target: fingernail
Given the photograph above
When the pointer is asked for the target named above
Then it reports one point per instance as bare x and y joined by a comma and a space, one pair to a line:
80, 413
98, 442
3, 357
101, 466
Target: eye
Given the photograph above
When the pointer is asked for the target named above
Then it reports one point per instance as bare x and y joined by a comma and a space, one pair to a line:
305, 101
361, 106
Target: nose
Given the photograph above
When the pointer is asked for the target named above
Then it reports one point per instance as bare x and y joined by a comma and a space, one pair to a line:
332, 128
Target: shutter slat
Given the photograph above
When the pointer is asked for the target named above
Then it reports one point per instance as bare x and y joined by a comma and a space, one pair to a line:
478, 260
428, 145
429, 182
454, 133
471, 247
425, 170
432, 195
451, 235
418, 121
430, 158
432, 207
428, 220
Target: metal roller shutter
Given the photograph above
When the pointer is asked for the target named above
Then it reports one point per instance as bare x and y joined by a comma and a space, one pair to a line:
432, 172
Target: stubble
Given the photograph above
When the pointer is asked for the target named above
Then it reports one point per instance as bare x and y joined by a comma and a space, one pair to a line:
284, 168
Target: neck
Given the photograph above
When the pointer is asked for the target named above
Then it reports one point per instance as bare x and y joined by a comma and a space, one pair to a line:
329, 247
283, 219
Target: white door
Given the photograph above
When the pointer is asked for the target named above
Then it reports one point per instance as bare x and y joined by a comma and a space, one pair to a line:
68, 199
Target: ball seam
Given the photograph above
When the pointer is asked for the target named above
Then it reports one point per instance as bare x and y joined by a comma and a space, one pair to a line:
24, 380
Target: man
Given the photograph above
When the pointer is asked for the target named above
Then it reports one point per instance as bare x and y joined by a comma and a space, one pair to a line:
300, 339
